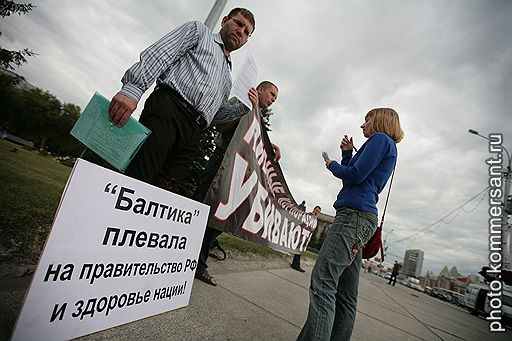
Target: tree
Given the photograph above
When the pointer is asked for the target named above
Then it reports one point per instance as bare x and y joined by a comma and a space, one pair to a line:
38, 116
265, 118
8, 58
198, 165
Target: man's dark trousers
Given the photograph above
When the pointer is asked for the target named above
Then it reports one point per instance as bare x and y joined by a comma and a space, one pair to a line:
173, 142
210, 234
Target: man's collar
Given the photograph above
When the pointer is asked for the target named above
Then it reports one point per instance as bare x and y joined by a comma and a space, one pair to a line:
218, 39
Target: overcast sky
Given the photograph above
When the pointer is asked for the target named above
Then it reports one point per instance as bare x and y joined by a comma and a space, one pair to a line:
444, 66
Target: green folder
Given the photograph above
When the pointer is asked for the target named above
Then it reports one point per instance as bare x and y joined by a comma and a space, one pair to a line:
115, 145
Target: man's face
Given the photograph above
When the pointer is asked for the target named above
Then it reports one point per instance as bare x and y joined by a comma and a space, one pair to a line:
266, 96
317, 210
235, 31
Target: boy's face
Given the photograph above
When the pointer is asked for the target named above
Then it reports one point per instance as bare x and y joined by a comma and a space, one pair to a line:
267, 96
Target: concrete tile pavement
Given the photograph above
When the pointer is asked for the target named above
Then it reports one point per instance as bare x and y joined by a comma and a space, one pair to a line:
272, 305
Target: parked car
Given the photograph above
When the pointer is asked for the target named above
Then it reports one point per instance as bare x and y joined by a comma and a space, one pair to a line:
458, 299
414, 283
476, 301
440, 293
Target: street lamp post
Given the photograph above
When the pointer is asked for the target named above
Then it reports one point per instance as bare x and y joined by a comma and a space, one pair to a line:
505, 233
215, 14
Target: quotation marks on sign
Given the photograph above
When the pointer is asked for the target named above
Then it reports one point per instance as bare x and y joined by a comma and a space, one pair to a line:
109, 189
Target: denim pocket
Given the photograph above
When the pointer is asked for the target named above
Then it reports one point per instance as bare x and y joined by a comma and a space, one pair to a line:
365, 228
343, 216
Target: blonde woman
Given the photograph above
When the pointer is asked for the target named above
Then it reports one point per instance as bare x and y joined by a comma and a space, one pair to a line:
335, 277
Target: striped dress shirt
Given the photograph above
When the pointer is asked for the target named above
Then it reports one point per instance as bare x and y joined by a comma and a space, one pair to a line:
191, 60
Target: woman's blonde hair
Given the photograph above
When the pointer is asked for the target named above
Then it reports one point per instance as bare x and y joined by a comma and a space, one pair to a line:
385, 120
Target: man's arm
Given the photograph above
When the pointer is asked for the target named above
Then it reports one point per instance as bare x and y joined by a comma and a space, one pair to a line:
230, 113
277, 152
153, 62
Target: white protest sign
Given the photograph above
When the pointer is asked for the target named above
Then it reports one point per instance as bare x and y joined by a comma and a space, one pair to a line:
119, 250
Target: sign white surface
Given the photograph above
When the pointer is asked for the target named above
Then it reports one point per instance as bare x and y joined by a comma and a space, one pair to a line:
124, 282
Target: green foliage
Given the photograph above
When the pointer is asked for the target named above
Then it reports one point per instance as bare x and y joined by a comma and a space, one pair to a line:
10, 58
265, 118
198, 165
38, 116
8, 7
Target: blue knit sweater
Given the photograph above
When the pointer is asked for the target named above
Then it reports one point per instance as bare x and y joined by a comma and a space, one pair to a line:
365, 174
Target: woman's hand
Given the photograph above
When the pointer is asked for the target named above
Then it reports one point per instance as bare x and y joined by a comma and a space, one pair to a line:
347, 143
327, 163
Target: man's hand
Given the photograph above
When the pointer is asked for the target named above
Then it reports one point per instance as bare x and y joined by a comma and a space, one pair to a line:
253, 96
277, 152
120, 109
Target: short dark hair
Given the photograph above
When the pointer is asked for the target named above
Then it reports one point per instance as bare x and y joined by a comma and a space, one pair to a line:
247, 15
266, 84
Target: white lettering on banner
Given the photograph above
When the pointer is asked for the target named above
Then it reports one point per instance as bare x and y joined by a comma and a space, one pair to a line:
276, 186
270, 211
254, 134
283, 238
238, 189
255, 220
267, 217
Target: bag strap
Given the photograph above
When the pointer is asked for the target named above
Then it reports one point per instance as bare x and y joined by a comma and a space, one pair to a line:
381, 246
387, 197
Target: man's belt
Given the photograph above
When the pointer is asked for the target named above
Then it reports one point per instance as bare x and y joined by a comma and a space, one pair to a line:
198, 117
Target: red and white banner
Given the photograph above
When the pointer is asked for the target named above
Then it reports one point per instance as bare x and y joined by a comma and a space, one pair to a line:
249, 196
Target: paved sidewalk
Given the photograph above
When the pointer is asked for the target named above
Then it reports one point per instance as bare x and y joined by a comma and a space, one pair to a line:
272, 305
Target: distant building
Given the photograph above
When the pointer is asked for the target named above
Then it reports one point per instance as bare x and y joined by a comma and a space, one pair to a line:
413, 261
446, 281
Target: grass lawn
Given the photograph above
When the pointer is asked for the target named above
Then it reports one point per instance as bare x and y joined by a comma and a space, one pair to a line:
31, 185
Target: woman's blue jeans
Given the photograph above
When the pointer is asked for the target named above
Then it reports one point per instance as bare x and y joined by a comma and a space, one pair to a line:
335, 277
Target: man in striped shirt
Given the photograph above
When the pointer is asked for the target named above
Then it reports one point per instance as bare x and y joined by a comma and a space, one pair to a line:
191, 66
